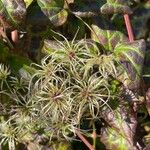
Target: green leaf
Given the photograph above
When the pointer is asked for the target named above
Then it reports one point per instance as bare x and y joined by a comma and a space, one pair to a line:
4, 52
27, 71
17, 62
12, 13
51, 47
132, 53
116, 6
86, 8
107, 38
62, 145
131, 58
119, 133
54, 11
115, 140
28, 2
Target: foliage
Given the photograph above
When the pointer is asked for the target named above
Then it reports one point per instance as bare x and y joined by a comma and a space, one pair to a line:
116, 6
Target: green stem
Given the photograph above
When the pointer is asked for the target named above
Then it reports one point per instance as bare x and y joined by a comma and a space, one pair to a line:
94, 136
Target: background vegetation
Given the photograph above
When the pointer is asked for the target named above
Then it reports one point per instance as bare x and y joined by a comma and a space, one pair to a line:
73, 74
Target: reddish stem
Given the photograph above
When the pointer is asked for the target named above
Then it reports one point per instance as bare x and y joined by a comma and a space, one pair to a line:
129, 27
14, 36
84, 140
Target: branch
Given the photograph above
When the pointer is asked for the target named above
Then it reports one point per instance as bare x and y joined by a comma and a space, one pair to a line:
129, 27
84, 140
14, 36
